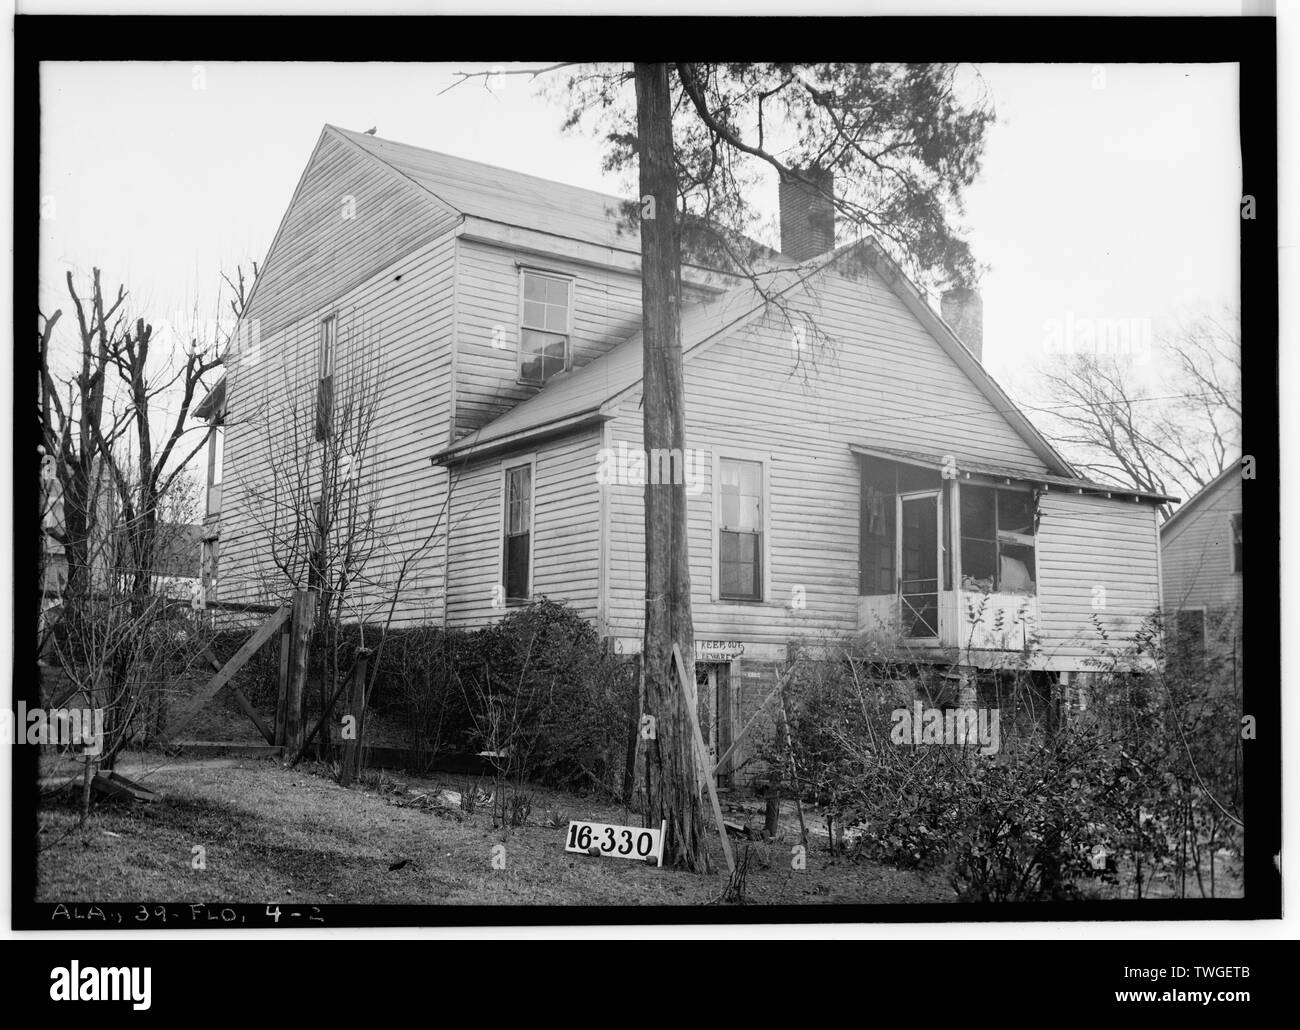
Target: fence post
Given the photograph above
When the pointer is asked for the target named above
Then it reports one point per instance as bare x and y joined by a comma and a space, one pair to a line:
351, 766
282, 686
304, 615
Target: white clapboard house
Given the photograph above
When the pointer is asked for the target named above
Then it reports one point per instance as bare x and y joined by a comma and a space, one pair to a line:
851, 466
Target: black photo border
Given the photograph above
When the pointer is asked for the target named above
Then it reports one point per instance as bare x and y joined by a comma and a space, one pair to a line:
1250, 42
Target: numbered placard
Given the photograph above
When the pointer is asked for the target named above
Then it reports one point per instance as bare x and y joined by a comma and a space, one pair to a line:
635, 842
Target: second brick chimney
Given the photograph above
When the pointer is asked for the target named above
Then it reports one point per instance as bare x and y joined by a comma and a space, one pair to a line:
807, 215
963, 310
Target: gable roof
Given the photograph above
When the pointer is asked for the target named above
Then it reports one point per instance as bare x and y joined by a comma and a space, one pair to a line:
589, 394
472, 189
1197, 499
489, 193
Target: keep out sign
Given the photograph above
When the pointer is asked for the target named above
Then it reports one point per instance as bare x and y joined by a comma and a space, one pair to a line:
718, 650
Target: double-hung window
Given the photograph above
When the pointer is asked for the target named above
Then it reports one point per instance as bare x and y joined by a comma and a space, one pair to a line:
545, 326
1234, 525
740, 530
517, 544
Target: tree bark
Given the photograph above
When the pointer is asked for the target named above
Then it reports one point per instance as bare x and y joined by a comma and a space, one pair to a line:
672, 784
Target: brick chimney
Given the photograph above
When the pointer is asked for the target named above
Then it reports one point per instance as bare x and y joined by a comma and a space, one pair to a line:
807, 215
963, 310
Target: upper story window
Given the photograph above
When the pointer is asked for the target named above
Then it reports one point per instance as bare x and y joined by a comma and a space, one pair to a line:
325, 371
517, 545
545, 325
740, 530
1234, 521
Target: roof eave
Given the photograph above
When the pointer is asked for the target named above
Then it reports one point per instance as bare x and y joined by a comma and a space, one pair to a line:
214, 400
465, 452
1198, 498
1047, 483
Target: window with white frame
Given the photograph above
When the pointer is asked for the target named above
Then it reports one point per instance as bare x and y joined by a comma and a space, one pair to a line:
545, 325
740, 529
1234, 523
517, 543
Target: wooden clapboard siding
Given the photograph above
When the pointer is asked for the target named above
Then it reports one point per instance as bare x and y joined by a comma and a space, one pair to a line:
400, 329
566, 531
318, 254
879, 378
606, 311
1097, 562
1196, 549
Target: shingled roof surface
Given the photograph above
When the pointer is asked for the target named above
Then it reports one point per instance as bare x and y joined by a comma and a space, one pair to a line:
504, 196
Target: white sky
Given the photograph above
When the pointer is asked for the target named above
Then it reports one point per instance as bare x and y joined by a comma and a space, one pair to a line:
1112, 202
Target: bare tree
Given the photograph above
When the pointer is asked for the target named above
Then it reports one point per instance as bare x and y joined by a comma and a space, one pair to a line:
72, 412
114, 412
323, 512
1173, 435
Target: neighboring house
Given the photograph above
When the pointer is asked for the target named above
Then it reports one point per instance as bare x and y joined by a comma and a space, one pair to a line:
1201, 553
177, 550
851, 466
177, 559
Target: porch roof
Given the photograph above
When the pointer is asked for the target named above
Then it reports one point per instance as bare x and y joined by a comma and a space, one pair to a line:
967, 469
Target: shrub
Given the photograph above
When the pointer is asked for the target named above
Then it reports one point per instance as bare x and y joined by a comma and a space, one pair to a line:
543, 694
537, 688
1148, 773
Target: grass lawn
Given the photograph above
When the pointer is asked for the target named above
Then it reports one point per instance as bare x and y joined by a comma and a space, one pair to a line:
272, 835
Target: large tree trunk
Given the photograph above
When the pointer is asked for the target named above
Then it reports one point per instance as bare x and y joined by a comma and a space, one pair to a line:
672, 784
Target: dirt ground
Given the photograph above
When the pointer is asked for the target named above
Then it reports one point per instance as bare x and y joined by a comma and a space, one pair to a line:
271, 834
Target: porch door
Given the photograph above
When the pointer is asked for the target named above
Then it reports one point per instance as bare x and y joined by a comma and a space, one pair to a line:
918, 564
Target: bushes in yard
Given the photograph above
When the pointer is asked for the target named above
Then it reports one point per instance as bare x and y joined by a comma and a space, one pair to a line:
542, 693
1144, 774
537, 690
